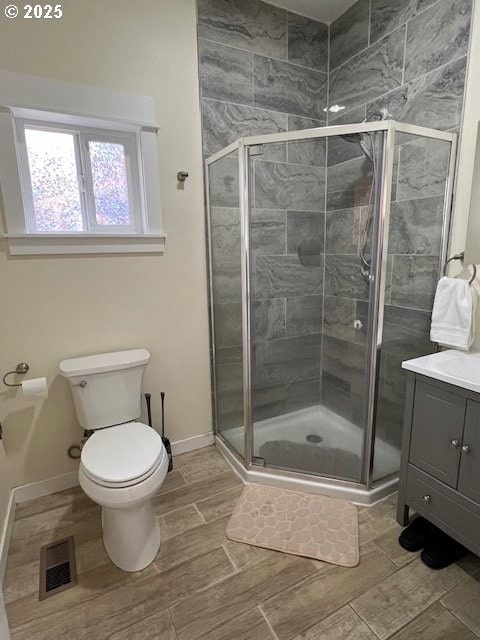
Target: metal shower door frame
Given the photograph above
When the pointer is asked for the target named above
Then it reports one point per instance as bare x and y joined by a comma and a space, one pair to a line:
388, 129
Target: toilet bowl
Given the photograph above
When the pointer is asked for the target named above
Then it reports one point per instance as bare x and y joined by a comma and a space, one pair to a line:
123, 485
123, 462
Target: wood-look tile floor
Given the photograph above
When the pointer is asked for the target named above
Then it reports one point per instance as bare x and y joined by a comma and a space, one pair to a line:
203, 586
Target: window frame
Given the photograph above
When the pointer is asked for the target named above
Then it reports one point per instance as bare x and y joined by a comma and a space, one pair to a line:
82, 135
118, 116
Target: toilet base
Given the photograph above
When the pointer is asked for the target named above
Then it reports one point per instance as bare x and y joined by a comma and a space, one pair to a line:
131, 536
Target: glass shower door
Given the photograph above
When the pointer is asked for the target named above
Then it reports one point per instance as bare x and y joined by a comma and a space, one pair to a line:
226, 298
312, 216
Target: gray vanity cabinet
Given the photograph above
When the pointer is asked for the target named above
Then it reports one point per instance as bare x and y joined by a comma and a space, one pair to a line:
440, 470
438, 418
469, 477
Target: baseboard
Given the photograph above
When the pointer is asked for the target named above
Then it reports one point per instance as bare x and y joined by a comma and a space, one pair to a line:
193, 443
6, 535
46, 487
70, 479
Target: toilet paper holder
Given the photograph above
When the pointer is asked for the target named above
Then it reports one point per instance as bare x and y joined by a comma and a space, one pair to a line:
21, 369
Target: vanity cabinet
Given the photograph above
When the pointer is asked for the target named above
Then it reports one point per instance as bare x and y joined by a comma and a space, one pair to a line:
440, 470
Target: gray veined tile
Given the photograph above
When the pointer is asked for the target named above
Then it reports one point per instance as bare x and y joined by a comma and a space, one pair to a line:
225, 73
340, 148
288, 360
432, 100
289, 186
304, 315
414, 279
287, 87
307, 42
349, 184
406, 332
423, 169
343, 228
224, 122
286, 276
225, 247
369, 74
343, 277
268, 231
311, 151
223, 182
387, 15
272, 398
229, 389
349, 33
416, 226
228, 324
305, 232
268, 319
339, 316
247, 24
447, 24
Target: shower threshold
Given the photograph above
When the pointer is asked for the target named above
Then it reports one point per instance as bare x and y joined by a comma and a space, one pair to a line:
307, 435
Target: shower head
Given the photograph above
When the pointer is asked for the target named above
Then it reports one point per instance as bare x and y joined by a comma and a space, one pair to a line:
359, 138
365, 148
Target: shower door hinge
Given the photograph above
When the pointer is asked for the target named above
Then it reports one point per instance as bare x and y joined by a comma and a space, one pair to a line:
256, 150
258, 461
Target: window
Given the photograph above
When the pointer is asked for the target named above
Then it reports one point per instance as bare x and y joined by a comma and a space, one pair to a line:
73, 182
78, 179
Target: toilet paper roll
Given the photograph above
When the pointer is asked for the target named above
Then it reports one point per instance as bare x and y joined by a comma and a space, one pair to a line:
35, 388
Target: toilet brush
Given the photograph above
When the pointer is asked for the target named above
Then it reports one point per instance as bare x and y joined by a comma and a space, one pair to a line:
166, 441
148, 397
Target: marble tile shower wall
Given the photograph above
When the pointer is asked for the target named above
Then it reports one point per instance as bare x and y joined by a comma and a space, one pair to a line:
409, 57
265, 70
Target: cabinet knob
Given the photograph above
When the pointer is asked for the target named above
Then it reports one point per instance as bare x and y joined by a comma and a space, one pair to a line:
466, 448
427, 498
455, 443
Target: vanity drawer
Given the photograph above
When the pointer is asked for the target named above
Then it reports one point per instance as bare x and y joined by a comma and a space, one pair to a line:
456, 515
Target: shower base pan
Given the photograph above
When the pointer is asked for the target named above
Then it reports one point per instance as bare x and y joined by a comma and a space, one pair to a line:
296, 444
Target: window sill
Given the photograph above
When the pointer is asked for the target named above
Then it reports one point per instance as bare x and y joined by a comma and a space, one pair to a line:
28, 244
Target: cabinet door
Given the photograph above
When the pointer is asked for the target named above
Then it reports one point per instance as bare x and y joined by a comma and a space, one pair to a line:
437, 429
469, 478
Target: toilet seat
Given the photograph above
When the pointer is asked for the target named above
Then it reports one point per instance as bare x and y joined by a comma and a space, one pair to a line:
123, 455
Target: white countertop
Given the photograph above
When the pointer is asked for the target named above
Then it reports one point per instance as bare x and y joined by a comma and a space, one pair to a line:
459, 368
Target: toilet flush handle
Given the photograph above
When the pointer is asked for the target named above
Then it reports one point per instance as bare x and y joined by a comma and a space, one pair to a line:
82, 384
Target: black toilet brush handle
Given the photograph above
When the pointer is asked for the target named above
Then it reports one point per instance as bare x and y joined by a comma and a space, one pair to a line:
162, 395
148, 398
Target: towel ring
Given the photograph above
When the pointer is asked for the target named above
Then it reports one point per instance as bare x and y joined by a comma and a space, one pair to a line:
461, 256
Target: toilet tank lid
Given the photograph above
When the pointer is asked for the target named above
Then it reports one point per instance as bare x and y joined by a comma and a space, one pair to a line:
102, 362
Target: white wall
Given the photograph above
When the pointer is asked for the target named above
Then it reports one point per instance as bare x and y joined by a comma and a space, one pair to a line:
466, 218
5, 490
56, 307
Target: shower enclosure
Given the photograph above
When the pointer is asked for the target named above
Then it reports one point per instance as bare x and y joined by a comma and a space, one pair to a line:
325, 246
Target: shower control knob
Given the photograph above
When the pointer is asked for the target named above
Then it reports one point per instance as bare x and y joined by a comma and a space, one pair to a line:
357, 324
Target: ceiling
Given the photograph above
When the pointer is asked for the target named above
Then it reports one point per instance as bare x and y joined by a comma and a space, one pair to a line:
323, 10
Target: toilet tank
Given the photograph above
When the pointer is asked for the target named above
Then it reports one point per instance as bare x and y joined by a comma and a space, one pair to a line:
106, 387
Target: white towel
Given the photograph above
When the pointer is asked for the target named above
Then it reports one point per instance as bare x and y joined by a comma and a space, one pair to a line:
453, 314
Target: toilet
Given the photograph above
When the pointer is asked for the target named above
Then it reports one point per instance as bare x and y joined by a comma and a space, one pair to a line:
123, 463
